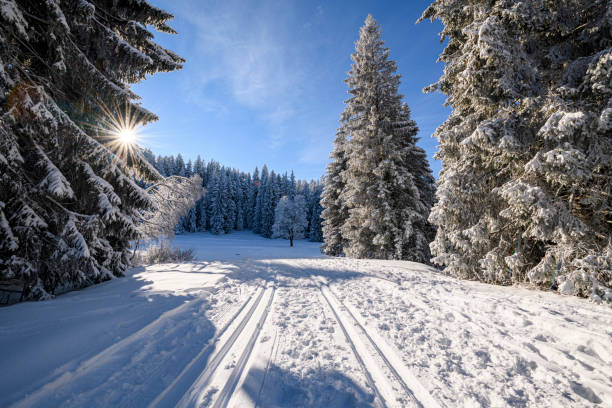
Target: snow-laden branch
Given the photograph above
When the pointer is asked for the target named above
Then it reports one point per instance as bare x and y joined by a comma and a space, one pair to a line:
172, 198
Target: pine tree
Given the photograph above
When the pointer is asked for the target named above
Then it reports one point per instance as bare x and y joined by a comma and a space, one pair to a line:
315, 232
524, 191
188, 169
334, 212
214, 196
259, 204
179, 166
201, 215
67, 198
290, 218
271, 195
198, 168
387, 181
253, 189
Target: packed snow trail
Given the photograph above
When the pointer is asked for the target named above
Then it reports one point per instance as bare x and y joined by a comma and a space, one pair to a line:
254, 323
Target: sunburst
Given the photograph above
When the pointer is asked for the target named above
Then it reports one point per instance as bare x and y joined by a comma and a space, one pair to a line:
121, 129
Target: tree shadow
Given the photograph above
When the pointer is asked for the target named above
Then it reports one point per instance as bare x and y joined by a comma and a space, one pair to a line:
120, 342
280, 388
287, 273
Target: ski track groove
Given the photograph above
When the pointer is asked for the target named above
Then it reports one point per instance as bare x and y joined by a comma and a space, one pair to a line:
228, 389
431, 403
168, 390
270, 362
211, 367
365, 369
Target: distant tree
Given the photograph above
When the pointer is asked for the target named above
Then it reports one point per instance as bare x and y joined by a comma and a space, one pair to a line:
259, 203
214, 196
290, 218
271, 195
188, 169
526, 180
315, 232
198, 168
179, 166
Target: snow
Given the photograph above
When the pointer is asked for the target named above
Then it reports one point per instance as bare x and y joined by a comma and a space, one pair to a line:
253, 322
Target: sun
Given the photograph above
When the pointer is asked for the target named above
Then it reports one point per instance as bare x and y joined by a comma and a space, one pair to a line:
127, 136
121, 130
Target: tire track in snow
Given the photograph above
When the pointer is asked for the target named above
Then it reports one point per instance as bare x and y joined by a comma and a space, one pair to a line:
349, 323
196, 390
188, 374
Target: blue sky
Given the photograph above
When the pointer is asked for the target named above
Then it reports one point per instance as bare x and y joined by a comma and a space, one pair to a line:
263, 81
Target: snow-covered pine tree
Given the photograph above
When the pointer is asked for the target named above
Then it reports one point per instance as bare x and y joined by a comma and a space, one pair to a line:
198, 168
188, 169
66, 200
315, 233
334, 212
388, 183
179, 166
214, 196
524, 191
271, 196
259, 203
290, 218
201, 215
253, 188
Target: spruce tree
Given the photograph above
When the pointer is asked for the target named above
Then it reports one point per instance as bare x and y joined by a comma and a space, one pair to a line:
315, 232
388, 186
334, 212
67, 198
524, 191
259, 203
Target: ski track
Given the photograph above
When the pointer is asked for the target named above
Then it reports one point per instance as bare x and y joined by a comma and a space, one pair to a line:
226, 393
197, 393
393, 362
187, 375
376, 380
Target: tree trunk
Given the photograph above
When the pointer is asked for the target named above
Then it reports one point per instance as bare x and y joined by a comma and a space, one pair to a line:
290, 240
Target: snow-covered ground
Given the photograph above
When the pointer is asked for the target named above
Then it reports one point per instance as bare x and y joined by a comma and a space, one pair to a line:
253, 322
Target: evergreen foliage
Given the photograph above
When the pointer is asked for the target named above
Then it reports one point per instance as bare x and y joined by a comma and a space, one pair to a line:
379, 189
67, 200
234, 200
524, 191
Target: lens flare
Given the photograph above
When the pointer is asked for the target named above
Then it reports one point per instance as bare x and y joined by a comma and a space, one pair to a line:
127, 136
119, 129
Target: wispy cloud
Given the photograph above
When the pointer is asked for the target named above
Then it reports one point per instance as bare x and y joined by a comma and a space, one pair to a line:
245, 46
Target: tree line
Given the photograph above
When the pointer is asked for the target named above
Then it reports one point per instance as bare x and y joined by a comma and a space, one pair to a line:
234, 200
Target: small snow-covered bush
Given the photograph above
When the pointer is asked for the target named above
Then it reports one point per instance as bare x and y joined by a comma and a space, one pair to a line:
158, 254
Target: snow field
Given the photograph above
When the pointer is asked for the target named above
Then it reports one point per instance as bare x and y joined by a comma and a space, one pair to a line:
478, 345
250, 326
